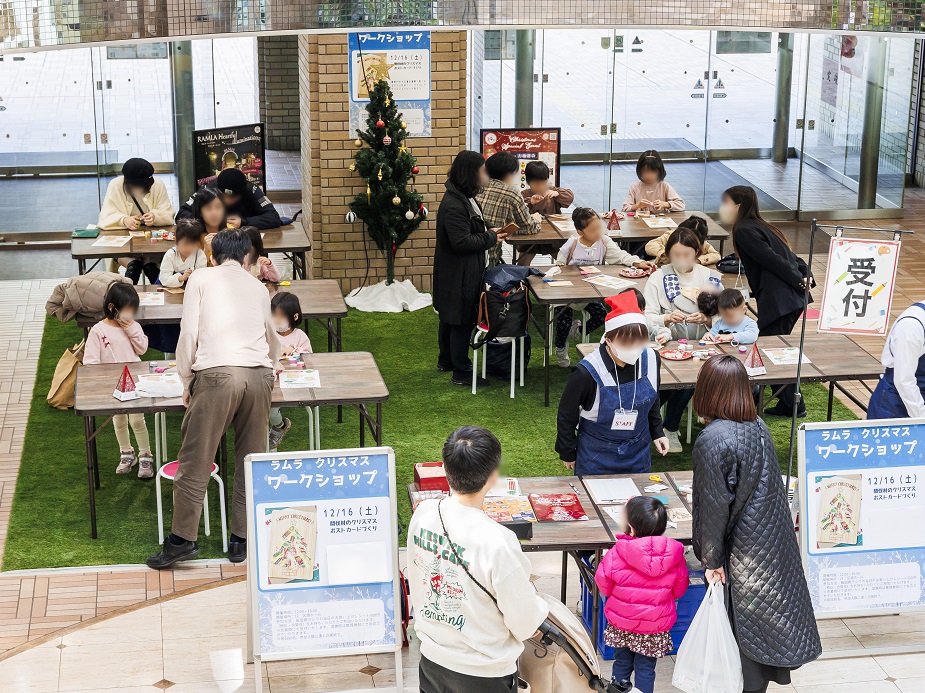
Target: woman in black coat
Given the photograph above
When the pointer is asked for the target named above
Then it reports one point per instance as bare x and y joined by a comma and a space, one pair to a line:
776, 276
459, 263
743, 532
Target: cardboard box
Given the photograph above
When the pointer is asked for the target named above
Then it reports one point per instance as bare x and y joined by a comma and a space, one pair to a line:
429, 476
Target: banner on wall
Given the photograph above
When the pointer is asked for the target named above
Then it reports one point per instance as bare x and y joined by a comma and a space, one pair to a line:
240, 146
859, 282
862, 540
322, 561
532, 144
402, 58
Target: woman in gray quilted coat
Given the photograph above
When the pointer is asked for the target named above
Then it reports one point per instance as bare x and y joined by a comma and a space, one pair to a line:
743, 532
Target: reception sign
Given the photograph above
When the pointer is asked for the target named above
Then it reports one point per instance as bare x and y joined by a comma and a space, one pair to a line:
322, 562
533, 144
861, 509
240, 146
859, 282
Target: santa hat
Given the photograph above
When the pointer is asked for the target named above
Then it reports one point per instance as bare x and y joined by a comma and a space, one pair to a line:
624, 310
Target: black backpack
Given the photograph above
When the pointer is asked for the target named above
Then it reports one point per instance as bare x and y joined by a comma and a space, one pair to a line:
504, 307
729, 265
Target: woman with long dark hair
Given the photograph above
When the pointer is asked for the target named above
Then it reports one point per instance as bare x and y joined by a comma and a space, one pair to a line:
742, 529
459, 263
209, 209
776, 276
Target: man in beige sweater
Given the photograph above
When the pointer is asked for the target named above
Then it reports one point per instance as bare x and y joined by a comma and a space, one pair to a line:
225, 357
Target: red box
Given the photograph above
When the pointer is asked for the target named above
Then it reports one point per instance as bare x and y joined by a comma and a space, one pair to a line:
429, 476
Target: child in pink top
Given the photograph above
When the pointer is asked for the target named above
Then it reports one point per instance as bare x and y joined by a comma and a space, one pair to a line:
119, 339
641, 576
651, 191
261, 266
287, 314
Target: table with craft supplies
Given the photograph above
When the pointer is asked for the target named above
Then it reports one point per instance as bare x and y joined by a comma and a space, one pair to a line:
610, 492
635, 229
291, 240
549, 234
344, 379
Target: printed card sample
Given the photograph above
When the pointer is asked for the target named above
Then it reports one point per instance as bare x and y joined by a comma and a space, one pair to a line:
509, 508
839, 511
293, 536
557, 507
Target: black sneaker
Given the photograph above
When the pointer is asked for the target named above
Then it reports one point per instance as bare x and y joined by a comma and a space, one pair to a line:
787, 412
173, 553
444, 369
467, 381
237, 551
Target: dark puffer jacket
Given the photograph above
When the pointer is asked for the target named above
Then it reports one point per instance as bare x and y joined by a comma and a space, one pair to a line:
742, 523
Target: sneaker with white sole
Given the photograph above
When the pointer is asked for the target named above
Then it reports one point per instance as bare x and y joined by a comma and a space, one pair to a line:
277, 433
575, 329
562, 357
126, 462
145, 465
674, 442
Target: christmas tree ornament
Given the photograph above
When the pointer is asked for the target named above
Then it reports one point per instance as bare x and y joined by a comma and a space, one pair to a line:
402, 148
368, 194
386, 140
379, 175
388, 102
409, 215
352, 167
422, 210
358, 142
125, 388
415, 170
351, 217
396, 201
380, 123
404, 126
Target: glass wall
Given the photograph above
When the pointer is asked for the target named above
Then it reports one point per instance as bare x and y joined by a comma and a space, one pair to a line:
784, 113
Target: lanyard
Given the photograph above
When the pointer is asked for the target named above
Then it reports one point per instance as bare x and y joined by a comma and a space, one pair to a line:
617, 380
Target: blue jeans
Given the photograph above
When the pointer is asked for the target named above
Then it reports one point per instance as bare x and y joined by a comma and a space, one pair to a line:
642, 668
674, 410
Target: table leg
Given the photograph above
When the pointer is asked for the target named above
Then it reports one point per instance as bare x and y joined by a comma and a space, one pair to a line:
89, 427
81, 266
330, 336
95, 457
303, 265
378, 423
340, 336
546, 357
563, 587
828, 416
334, 341
362, 426
595, 603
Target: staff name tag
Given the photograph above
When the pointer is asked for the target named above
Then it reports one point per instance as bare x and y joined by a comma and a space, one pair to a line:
624, 420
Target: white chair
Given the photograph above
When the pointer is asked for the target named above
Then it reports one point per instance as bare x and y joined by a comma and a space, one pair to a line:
169, 471
484, 349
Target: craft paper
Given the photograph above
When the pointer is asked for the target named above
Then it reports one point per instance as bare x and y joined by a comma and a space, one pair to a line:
509, 508
159, 385
784, 356
150, 298
561, 282
605, 491
293, 536
111, 241
660, 222
292, 380
610, 282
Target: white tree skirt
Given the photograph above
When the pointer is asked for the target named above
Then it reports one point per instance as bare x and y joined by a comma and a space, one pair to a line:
391, 298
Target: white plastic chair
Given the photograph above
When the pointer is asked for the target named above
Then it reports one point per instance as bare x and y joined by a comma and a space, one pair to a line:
169, 471
475, 363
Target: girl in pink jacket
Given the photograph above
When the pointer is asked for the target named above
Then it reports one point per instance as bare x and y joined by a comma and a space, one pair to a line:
641, 577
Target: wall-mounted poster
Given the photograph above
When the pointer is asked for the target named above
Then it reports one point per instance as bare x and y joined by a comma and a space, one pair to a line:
532, 144
240, 146
402, 58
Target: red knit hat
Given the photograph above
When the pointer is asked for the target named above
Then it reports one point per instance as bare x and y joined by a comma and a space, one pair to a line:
624, 310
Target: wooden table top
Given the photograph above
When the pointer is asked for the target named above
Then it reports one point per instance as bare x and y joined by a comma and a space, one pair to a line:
346, 378
681, 533
565, 536
837, 355
291, 238
633, 228
549, 233
580, 290
319, 298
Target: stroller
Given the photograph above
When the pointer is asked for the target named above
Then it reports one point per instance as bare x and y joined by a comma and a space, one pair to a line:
563, 660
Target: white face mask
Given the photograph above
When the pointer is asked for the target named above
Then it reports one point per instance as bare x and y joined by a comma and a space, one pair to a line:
282, 327
628, 355
683, 266
728, 213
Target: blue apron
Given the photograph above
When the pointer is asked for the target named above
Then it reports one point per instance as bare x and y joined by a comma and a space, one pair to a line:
885, 402
603, 450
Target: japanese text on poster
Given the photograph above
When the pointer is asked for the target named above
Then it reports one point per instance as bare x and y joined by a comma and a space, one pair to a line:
860, 504
322, 555
536, 144
402, 58
240, 146
859, 282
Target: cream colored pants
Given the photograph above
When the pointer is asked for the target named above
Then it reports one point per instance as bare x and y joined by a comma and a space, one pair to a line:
121, 421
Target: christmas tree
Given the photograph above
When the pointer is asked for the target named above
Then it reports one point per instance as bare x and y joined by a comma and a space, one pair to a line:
390, 210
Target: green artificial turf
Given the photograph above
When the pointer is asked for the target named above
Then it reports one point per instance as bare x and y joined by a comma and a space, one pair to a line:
50, 525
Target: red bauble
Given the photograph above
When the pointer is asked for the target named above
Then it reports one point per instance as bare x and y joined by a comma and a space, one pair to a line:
415, 170
380, 123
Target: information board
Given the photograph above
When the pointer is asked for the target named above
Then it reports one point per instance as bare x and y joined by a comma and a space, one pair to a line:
862, 505
859, 282
239, 146
528, 144
322, 554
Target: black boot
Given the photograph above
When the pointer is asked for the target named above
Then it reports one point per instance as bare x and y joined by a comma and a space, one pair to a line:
133, 271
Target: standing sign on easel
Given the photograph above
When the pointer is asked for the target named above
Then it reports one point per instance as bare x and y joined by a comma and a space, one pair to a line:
862, 500
527, 144
322, 554
859, 282
240, 146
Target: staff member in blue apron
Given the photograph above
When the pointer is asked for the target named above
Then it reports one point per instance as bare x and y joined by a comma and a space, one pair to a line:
899, 392
609, 414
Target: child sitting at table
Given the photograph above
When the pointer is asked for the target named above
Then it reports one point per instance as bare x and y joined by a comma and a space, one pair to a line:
659, 334
540, 196
641, 576
591, 246
708, 254
119, 339
733, 323
287, 315
260, 265
187, 255
651, 192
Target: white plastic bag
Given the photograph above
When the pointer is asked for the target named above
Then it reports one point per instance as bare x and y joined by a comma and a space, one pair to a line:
708, 660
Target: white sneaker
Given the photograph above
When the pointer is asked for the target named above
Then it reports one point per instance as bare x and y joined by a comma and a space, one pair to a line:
575, 329
562, 357
674, 442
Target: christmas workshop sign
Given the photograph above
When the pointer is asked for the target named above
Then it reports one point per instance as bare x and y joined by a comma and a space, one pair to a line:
531, 144
322, 562
401, 58
859, 282
861, 501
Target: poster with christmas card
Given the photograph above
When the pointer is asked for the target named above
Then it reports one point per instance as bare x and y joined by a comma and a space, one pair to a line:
293, 537
839, 515
557, 507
